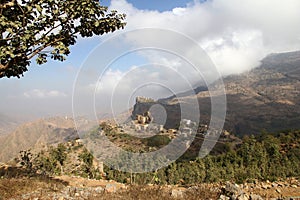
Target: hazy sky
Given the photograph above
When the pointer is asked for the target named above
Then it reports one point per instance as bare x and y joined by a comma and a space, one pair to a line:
235, 34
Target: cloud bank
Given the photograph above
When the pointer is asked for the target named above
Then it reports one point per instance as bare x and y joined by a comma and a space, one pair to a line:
235, 34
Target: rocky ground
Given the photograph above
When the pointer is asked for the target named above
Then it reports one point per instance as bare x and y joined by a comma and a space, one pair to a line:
288, 189
69, 188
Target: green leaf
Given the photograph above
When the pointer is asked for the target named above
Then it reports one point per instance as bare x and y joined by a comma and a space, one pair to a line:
28, 30
38, 7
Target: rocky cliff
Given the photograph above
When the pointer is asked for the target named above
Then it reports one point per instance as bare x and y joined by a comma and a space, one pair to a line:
265, 98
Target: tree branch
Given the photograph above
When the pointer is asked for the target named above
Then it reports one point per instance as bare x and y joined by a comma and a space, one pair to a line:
6, 39
3, 67
44, 35
38, 50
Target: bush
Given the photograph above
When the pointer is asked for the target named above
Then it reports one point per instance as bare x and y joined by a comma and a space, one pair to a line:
264, 157
157, 141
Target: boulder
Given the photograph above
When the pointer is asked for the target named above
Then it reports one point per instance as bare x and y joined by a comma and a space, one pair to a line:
243, 197
111, 187
177, 193
233, 190
255, 197
223, 197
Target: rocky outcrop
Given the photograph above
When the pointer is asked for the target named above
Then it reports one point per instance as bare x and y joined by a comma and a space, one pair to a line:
266, 98
172, 111
289, 189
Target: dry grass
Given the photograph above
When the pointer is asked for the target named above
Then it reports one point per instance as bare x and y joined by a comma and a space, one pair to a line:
15, 181
157, 192
15, 187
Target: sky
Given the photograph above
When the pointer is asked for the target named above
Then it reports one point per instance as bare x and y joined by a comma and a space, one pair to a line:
155, 55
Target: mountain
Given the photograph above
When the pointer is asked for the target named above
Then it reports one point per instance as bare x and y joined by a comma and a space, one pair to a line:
265, 98
37, 134
9, 123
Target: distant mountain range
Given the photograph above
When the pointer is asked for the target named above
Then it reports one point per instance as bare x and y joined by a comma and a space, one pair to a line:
35, 135
265, 98
9, 123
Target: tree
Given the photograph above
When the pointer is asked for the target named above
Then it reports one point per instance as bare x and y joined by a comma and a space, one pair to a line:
47, 28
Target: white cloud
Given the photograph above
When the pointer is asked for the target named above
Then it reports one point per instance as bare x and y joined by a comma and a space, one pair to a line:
41, 94
117, 90
235, 52
235, 34
109, 80
179, 11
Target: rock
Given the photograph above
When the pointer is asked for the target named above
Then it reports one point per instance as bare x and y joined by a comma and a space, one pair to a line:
177, 193
61, 198
243, 197
233, 190
111, 187
280, 184
255, 197
278, 190
193, 188
294, 186
99, 189
274, 184
223, 197
233, 197
264, 186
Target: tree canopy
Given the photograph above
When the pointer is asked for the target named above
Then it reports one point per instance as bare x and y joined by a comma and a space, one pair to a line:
47, 28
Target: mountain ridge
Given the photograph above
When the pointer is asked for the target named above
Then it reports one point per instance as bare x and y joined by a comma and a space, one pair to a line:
35, 135
264, 98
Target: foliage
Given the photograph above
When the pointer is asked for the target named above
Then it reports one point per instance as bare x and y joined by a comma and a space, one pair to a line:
87, 167
51, 162
47, 28
264, 157
107, 128
59, 153
58, 160
26, 158
157, 141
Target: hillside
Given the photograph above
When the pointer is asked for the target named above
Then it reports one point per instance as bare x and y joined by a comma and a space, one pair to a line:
9, 123
265, 98
36, 134
264, 166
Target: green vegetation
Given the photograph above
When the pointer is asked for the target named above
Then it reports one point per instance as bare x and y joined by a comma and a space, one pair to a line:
127, 141
263, 157
50, 162
27, 28
87, 169
73, 159
157, 141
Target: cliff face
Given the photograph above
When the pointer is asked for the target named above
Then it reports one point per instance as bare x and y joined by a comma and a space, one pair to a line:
173, 111
266, 98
